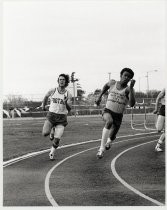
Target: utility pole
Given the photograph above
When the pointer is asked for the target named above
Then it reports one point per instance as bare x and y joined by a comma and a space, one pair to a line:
109, 73
73, 80
147, 83
148, 80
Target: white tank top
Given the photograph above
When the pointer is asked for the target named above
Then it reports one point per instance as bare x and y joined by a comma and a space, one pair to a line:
57, 104
117, 99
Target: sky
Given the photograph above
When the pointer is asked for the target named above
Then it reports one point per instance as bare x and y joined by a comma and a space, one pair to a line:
94, 39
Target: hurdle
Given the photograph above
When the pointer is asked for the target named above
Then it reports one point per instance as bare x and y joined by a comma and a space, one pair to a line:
134, 125
146, 119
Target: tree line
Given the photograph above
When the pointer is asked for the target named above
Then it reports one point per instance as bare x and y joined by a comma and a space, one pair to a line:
13, 101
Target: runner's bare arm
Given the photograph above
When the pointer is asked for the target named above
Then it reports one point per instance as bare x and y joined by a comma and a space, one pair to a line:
131, 94
105, 88
45, 100
68, 102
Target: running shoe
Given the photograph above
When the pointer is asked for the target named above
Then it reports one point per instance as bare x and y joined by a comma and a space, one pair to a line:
51, 136
158, 149
100, 154
51, 156
108, 145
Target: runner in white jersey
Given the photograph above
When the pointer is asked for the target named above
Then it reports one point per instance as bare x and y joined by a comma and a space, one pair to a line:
56, 119
160, 125
118, 97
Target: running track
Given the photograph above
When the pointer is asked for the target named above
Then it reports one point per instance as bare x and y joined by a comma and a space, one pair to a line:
130, 174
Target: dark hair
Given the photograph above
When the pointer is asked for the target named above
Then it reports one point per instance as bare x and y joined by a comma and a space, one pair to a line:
127, 70
67, 78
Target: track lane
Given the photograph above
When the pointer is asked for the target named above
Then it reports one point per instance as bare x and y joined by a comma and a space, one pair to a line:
93, 192
34, 183
113, 163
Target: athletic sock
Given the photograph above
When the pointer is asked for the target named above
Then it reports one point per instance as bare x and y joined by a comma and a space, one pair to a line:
52, 150
158, 145
52, 131
162, 138
105, 134
109, 140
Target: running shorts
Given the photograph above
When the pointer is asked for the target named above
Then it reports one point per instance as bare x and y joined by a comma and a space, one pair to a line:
57, 119
117, 118
162, 110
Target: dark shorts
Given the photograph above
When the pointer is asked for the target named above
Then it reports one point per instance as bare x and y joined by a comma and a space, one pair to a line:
117, 118
162, 110
57, 119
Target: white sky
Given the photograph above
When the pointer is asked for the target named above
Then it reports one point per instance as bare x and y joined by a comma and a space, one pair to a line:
42, 39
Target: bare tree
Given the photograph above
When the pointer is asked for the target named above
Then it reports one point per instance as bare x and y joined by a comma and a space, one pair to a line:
13, 101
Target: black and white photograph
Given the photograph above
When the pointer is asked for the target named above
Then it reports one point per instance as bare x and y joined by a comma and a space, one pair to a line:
83, 103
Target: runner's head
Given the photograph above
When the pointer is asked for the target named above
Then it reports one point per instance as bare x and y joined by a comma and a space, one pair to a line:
63, 80
126, 75
131, 73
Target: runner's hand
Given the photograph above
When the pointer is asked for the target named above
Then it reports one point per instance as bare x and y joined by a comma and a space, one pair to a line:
132, 83
98, 101
155, 111
65, 99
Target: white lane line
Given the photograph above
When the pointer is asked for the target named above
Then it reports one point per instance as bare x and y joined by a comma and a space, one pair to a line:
47, 189
23, 157
125, 183
29, 155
